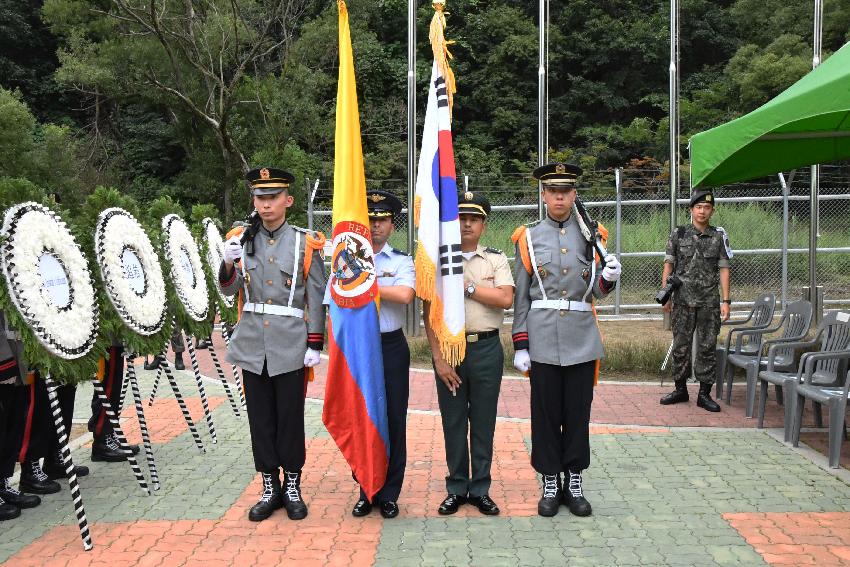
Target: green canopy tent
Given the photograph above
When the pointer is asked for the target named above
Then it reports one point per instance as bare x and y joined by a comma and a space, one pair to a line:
808, 123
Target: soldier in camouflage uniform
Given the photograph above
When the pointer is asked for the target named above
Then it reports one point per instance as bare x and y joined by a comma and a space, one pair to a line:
698, 254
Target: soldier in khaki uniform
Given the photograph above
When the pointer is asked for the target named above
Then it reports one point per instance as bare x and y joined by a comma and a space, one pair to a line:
698, 254
281, 278
556, 336
469, 393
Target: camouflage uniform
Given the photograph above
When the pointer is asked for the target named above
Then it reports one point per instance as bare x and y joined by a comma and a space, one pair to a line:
697, 258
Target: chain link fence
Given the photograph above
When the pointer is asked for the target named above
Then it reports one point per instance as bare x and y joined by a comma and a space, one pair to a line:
768, 229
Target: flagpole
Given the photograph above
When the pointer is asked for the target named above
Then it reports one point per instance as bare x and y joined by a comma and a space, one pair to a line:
814, 211
542, 107
413, 307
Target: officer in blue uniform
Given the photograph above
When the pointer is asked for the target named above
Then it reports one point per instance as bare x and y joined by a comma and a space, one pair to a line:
396, 280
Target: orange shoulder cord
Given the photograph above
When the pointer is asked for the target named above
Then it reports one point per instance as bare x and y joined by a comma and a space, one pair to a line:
518, 238
316, 242
603, 233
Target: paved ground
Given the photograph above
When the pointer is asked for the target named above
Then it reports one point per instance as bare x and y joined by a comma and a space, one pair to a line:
676, 486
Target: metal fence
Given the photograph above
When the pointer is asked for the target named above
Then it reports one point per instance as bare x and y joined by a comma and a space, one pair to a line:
768, 229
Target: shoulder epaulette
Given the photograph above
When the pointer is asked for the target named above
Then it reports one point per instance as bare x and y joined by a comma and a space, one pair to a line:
492, 250
532, 224
397, 251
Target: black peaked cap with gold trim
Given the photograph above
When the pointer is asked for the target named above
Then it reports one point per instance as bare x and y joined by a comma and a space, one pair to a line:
700, 196
557, 175
382, 204
473, 204
268, 180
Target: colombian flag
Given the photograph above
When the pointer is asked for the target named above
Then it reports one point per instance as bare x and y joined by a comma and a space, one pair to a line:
355, 411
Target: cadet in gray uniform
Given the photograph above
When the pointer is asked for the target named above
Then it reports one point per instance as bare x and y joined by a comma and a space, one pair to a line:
556, 336
697, 253
280, 332
468, 394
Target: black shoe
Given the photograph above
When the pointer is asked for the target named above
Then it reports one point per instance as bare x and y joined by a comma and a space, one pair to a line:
551, 500
451, 504
107, 450
389, 509
56, 469
270, 500
14, 497
296, 509
485, 505
178, 361
8, 511
132, 446
203, 344
362, 508
153, 364
573, 496
677, 396
34, 481
704, 398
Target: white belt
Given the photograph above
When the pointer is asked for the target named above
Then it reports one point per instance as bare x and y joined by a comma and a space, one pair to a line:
561, 305
269, 309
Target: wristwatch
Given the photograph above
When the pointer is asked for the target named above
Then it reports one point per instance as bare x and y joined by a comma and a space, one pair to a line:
729, 301
470, 289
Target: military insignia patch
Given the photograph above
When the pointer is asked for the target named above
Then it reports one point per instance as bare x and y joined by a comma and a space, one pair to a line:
709, 198
264, 173
468, 195
376, 197
560, 168
541, 271
288, 282
585, 273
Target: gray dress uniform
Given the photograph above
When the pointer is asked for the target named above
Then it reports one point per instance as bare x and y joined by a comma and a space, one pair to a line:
283, 308
554, 320
282, 316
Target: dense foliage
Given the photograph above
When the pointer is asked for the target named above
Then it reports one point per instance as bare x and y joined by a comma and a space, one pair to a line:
178, 99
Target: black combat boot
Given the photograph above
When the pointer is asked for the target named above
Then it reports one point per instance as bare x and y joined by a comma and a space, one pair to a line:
55, 468
8, 511
296, 509
107, 450
34, 481
178, 361
153, 364
270, 500
704, 398
14, 497
551, 500
679, 395
574, 496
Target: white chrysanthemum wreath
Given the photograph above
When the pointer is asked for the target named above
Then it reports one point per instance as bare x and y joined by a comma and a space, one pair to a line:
49, 281
131, 271
186, 269
214, 255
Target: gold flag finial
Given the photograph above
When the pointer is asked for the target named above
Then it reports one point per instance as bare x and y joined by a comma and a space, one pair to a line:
440, 47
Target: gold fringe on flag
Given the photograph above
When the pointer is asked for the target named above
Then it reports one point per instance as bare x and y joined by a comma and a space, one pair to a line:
453, 347
441, 48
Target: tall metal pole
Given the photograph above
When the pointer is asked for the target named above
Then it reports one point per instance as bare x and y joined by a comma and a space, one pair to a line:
674, 109
542, 96
413, 308
786, 192
815, 181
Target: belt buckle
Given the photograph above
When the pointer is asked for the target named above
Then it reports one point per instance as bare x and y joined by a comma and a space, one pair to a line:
472, 338
563, 304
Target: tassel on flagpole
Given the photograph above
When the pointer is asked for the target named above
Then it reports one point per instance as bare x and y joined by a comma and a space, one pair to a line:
440, 46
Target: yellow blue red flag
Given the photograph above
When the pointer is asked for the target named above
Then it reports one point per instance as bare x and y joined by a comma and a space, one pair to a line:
355, 411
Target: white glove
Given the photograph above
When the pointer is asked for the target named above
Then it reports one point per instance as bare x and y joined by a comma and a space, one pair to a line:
232, 249
311, 358
522, 360
613, 268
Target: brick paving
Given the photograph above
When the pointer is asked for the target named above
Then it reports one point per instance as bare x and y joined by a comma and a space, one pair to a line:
669, 486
